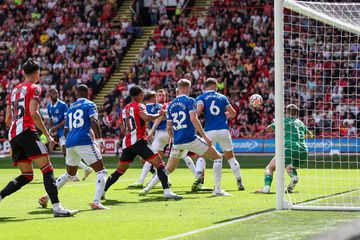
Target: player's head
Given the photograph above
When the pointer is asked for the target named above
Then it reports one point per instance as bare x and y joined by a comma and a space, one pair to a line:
149, 97
31, 70
161, 96
292, 110
54, 94
210, 84
82, 91
137, 93
184, 86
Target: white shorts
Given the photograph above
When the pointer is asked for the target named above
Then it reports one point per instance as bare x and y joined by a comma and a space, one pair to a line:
62, 141
89, 153
161, 139
198, 146
223, 138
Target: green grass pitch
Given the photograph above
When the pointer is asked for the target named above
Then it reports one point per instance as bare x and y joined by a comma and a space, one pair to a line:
151, 217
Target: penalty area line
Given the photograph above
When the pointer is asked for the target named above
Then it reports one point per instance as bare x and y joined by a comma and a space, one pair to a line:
219, 225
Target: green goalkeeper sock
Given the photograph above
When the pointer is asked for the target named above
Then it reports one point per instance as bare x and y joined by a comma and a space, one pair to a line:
293, 173
268, 179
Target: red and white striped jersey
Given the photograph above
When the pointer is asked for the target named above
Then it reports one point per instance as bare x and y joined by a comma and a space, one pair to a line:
135, 127
19, 101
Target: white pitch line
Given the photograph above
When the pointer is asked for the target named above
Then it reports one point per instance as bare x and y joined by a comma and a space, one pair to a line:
241, 219
218, 225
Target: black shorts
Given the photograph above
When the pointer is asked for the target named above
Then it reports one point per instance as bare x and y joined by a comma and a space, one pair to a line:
26, 146
141, 148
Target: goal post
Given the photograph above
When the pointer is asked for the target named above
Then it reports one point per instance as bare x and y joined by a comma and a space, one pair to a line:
317, 68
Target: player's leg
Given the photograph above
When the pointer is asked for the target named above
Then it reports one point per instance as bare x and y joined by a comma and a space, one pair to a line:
92, 156
27, 175
170, 167
146, 168
162, 174
223, 137
122, 167
292, 161
294, 179
86, 169
215, 156
71, 160
235, 167
190, 164
50, 186
150, 154
268, 177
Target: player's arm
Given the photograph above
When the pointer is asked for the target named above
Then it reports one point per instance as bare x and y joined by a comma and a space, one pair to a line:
8, 116
309, 134
150, 117
156, 124
35, 115
95, 126
196, 122
230, 111
199, 107
270, 128
54, 129
169, 128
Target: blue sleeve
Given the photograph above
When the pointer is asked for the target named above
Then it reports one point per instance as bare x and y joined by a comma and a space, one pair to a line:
199, 100
92, 111
192, 105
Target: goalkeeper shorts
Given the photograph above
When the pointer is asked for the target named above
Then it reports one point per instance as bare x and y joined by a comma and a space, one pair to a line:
295, 156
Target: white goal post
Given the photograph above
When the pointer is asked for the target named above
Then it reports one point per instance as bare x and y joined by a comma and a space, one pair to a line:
317, 68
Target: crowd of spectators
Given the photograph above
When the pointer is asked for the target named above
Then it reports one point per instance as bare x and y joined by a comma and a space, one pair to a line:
233, 42
75, 42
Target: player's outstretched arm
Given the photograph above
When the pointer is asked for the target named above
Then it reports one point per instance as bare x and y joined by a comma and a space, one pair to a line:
151, 117
8, 116
195, 121
155, 125
270, 128
35, 115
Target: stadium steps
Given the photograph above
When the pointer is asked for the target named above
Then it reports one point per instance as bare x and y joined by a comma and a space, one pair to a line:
201, 7
130, 57
124, 11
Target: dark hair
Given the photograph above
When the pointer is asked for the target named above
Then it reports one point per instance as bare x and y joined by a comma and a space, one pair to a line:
82, 91
30, 66
136, 91
53, 90
148, 96
209, 82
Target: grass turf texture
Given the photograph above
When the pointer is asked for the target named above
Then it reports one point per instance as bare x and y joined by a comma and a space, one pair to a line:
151, 217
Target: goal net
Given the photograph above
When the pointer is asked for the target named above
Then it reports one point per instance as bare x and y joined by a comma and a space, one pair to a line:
321, 72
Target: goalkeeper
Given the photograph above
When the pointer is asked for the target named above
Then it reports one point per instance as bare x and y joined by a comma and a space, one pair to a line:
295, 148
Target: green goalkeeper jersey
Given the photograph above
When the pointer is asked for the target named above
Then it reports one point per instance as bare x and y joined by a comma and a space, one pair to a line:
295, 132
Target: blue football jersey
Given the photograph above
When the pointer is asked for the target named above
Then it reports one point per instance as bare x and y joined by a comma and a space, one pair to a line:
178, 112
214, 110
154, 108
57, 113
78, 122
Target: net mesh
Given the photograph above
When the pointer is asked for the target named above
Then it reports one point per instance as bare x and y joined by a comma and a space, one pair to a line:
322, 77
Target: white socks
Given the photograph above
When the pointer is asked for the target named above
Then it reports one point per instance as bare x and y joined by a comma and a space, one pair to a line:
152, 183
217, 167
235, 167
60, 182
190, 164
200, 165
100, 185
146, 168
82, 165
57, 206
